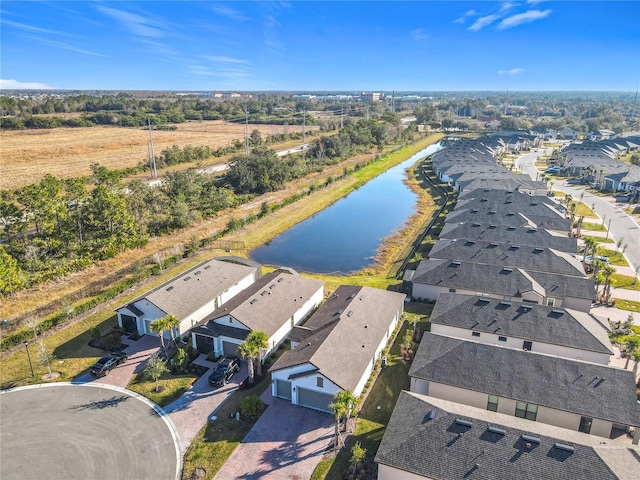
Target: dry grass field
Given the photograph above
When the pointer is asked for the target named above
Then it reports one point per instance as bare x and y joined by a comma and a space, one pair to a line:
27, 155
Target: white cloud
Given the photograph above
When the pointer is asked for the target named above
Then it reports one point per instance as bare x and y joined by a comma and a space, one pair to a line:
136, 24
419, 34
30, 28
223, 59
483, 22
6, 84
462, 19
225, 11
513, 71
521, 18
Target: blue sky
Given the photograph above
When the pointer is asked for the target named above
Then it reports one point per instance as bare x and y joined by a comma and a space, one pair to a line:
319, 45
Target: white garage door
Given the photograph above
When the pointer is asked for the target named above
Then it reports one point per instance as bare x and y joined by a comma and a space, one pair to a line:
316, 400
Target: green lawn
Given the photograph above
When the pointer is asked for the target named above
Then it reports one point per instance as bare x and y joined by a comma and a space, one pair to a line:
599, 239
594, 227
582, 209
629, 305
615, 257
375, 412
625, 281
172, 387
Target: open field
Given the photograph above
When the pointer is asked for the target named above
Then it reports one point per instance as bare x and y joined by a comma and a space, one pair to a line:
27, 155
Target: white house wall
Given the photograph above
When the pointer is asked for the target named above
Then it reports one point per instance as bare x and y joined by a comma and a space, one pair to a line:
580, 304
309, 305
230, 321
386, 472
237, 288
517, 344
550, 416
309, 382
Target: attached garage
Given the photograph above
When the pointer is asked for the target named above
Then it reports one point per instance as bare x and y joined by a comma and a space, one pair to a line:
129, 323
229, 348
283, 389
316, 400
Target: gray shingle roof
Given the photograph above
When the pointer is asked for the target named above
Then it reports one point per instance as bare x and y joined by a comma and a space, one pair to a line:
191, 290
443, 449
506, 234
349, 326
537, 323
514, 255
499, 280
568, 385
269, 302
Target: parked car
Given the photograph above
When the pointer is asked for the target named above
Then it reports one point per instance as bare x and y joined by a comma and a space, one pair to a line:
552, 170
226, 368
588, 260
107, 363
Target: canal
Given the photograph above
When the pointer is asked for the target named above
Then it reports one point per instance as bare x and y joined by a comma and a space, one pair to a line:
344, 237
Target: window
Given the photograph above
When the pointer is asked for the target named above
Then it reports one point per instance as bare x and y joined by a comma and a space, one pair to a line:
475, 334
492, 403
526, 410
506, 298
319, 382
551, 302
585, 424
527, 345
452, 290
502, 339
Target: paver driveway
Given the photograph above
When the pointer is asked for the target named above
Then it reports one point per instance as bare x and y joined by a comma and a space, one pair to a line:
286, 442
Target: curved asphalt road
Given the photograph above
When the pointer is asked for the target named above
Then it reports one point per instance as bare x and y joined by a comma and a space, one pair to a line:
65, 432
622, 227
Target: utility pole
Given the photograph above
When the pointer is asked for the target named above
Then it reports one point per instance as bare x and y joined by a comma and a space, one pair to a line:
154, 173
246, 132
341, 117
393, 101
304, 121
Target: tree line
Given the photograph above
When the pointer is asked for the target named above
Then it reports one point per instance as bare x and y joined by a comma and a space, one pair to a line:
58, 226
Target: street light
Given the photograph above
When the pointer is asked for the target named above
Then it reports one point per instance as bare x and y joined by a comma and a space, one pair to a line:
26, 345
608, 228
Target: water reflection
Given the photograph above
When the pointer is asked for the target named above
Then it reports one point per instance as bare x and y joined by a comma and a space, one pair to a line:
344, 237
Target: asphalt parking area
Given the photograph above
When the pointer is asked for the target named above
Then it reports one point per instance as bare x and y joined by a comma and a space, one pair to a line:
287, 441
65, 432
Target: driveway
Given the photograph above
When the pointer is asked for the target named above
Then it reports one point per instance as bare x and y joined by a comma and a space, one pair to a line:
64, 432
192, 410
138, 351
287, 442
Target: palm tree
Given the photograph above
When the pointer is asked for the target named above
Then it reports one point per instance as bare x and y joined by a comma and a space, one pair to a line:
344, 402
607, 272
249, 351
172, 323
631, 350
590, 246
261, 340
158, 327
598, 280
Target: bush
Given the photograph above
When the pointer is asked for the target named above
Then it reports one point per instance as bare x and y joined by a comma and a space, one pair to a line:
251, 407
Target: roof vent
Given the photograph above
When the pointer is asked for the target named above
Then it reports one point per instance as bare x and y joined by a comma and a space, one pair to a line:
432, 414
499, 431
339, 312
263, 293
514, 247
530, 439
169, 288
186, 279
505, 303
507, 269
510, 214
207, 267
462, 421
349, 313
493, 226
538, 250
198, 272
454, 264
557, 311
273, 285
511, 229
280, 280
566, 448
493, 245
483, 300
253, 301
353, 295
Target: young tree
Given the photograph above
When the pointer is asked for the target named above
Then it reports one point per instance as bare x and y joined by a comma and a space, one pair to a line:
154, 369
10, 273
251, 406
607, 272
45, 357
357, 456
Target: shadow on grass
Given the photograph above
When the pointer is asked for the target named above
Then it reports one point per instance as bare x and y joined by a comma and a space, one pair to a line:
78, 346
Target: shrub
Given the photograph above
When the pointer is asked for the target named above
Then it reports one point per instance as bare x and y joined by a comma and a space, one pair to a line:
251, 407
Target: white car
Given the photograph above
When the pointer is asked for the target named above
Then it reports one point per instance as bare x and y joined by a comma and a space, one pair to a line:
590, 258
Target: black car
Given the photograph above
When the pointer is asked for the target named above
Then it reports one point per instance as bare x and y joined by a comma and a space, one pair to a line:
108, 362
226, 368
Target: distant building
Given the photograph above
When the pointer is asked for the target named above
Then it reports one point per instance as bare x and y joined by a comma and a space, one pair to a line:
371, 96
